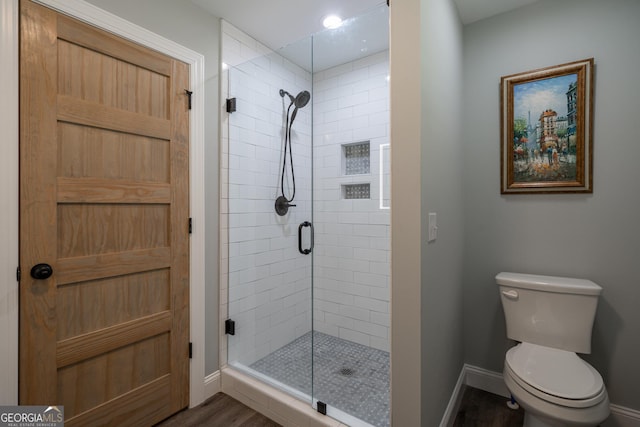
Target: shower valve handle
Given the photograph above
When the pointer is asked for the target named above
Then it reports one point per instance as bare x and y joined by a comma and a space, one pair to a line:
283, 205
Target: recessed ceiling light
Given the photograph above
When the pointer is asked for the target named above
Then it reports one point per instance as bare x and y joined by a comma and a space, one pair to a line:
332, 21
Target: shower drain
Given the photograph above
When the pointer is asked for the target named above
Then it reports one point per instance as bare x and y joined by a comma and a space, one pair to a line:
347, 372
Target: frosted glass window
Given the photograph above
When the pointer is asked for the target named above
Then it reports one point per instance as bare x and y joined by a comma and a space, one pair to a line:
356, 191
356, 158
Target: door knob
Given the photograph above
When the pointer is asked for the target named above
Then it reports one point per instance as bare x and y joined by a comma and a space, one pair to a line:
41, 271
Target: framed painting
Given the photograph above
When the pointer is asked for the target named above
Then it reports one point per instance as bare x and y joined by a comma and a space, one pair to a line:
546, 130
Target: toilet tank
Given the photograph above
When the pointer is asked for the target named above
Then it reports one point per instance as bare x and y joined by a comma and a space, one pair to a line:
551, 311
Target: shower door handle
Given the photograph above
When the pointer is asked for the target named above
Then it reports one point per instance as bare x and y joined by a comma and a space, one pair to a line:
300, 227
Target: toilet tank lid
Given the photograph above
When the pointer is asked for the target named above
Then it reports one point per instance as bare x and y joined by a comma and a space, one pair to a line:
566, 285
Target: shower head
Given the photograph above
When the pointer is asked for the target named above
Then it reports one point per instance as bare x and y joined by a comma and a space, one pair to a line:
300, 100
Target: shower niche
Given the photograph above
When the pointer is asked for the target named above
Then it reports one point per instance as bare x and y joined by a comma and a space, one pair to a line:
312, 323
356, 191
356, 160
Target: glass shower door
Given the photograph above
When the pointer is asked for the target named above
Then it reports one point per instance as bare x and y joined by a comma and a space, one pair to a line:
269, 278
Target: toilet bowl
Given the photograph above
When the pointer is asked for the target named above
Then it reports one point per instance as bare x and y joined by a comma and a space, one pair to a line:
552, 318
555, 387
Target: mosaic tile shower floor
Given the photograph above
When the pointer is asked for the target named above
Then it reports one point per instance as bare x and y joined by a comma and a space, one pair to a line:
348, 376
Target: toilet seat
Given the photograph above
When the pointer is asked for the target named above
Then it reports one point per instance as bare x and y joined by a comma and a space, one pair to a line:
557, 376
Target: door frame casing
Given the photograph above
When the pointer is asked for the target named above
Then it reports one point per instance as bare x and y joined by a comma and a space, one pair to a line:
9, 184
9, 179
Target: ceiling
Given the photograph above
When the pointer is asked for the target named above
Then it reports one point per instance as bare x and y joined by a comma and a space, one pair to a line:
278, 23
356, 38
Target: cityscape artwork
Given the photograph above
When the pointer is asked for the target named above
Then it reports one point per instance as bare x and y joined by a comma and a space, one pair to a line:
546, 129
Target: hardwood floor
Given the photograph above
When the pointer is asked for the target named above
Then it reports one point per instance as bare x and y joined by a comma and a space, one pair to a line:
482, 409
477, 409
220, 410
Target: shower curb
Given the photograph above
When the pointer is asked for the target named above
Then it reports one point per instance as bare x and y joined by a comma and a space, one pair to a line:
272, 403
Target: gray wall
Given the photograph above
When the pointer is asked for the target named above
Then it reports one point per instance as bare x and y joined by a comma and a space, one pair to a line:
192, 27
442, 193
592, 236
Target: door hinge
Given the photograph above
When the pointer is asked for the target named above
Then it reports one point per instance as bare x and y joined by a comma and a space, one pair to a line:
18, 274
190, 350
190, 225
229, 327
231, 105
322, 408
189, 93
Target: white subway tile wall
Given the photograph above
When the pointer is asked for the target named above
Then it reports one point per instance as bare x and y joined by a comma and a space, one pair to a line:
269, 290
269, 281
352, 252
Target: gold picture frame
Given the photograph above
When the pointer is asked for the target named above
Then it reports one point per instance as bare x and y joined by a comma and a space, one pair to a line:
547, 130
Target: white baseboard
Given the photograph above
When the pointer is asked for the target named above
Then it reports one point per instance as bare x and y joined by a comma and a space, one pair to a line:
492, 382
622, 417
212, 384
486, 380
454, 402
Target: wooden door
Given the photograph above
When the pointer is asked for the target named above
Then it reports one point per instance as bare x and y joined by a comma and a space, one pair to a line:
103, 201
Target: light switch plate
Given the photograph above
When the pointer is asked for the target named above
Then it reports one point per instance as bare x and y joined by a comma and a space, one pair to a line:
433, 227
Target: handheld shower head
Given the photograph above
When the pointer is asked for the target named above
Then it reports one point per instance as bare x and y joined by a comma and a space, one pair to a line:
301, 100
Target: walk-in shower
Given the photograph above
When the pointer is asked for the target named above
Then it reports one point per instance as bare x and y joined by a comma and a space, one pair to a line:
308, 282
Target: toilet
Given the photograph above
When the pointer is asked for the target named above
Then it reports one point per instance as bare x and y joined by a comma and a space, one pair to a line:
552, 318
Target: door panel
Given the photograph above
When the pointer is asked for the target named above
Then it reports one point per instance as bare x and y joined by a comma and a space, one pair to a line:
103, 200
88, 306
